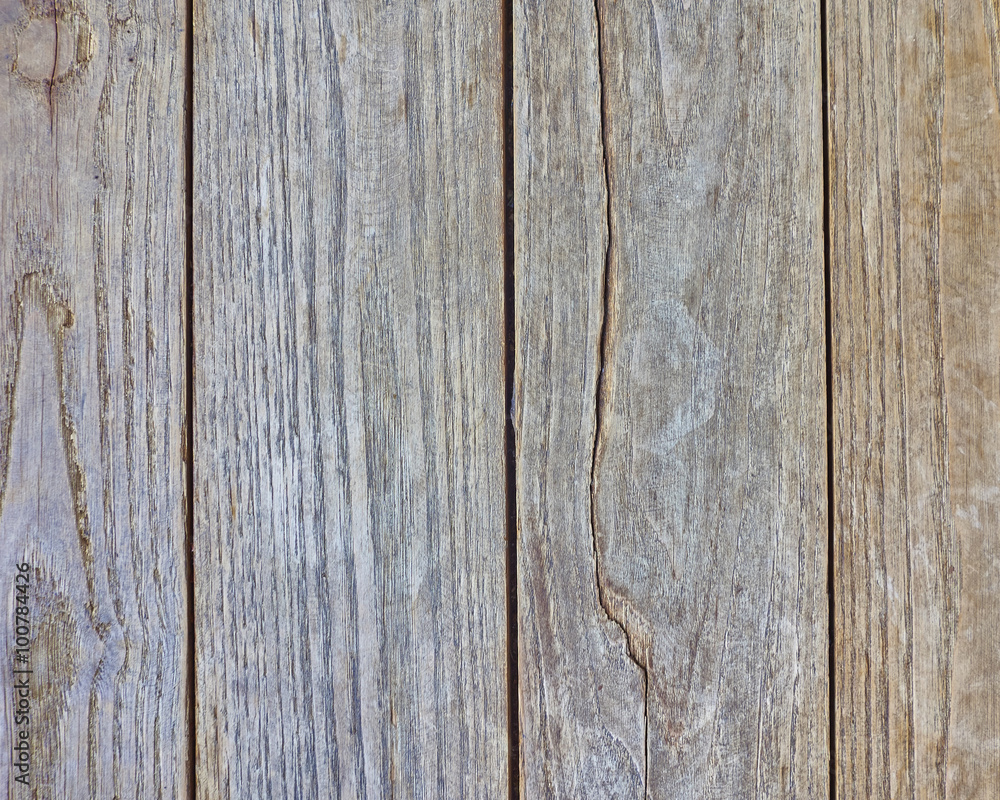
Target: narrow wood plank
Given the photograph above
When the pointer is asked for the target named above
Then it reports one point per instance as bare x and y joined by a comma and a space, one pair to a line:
349, 527
670, 400
915, 227
92, 353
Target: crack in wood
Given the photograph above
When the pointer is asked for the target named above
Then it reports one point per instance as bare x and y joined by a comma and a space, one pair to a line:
55, 69
609, 612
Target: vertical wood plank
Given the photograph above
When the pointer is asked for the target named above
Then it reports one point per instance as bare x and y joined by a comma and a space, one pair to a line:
349, 525
92, 353
914, 185
670, 400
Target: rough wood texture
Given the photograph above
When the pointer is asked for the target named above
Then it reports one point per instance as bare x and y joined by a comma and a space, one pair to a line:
349, 527
670, 400
91, 417
915, 227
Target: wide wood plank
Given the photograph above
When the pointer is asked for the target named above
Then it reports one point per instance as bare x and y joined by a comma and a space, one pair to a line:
670, 400
349, 527
92, 354
915, 227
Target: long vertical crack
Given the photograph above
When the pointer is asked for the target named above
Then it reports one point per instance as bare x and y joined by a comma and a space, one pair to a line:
599, 402
53, 130
55, 67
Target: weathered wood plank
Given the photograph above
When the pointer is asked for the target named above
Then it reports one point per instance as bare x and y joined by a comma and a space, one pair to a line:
670, 400
92, 354
915, 179
349, 526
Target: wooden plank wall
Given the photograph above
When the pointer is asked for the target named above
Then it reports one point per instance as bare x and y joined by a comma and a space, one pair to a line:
699, 197
92, 365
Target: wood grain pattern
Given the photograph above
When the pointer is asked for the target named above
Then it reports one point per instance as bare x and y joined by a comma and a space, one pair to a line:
92, 350
670, 400
349, 524
581, 696
914, 184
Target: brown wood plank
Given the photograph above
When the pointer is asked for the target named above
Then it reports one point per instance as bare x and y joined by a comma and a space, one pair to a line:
914, 184
92, 354
670, 400
349, 528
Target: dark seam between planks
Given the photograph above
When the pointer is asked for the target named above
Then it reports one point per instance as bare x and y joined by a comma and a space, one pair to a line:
830, 509
599, 393
189, 388
510, 449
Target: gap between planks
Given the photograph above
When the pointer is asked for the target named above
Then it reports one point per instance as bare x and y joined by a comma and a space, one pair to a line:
192, 665
828, 343
510, 447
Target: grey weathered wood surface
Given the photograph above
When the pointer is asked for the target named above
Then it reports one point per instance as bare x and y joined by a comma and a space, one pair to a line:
669, 404
92, 352
670, 400
349, 473
915, 260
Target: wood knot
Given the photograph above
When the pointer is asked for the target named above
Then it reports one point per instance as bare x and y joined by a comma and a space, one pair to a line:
54, 47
